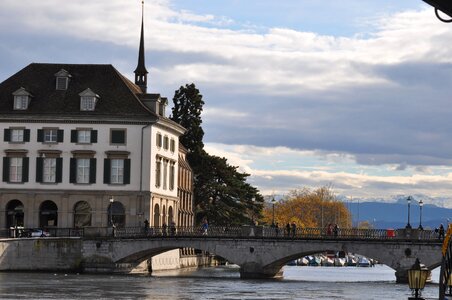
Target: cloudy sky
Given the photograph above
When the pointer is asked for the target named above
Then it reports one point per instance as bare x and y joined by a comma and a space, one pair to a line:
355, 94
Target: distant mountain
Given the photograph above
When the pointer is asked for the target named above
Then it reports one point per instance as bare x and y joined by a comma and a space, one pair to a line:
395, 215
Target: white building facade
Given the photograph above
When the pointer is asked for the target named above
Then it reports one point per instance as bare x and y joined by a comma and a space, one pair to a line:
83, 146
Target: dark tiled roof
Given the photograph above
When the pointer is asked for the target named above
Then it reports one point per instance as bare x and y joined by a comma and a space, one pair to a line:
118, 95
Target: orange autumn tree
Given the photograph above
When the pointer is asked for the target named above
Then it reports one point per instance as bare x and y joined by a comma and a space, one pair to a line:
309, 209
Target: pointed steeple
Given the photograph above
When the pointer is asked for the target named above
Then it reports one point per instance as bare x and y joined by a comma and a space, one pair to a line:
141, 76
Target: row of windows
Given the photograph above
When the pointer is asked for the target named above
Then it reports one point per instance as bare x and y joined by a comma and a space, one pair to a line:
164, 173
50, 170
83, 170
163, 141
56, 135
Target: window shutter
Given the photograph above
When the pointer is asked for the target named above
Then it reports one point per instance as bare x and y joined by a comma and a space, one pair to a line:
5, 169
106, 171
25, 162
26, 135
73, 136
73, 170
59, 170
60, 135
126, 171
40, 135
39, 165
93, 136
118, 137
92, 170
6, 135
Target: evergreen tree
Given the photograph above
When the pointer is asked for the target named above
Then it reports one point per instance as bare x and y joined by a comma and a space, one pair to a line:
221, 192
187, 110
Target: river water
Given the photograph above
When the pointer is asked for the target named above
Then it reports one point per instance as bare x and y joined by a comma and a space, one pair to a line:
215, 283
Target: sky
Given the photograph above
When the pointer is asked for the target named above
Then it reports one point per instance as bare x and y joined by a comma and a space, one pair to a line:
351, 94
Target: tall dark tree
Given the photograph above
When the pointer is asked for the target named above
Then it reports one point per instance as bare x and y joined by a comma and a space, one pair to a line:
221, 192
187, 111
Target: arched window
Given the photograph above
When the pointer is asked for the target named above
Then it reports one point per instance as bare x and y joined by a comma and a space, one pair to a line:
170, 215
116, 214
156, 216
164, 215
82, 214
14, 214
48, 214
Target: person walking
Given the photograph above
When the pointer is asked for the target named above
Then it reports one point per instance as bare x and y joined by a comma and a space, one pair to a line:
146, 226
294, 229
288, 229
335, 230
205, 227
441, 232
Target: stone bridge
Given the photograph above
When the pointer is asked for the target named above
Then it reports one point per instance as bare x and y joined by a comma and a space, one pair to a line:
260, 253
263, 255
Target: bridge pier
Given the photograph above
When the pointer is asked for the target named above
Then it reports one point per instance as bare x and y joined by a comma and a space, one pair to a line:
255, 271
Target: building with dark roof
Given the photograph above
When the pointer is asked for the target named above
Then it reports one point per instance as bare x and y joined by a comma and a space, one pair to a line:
83, 146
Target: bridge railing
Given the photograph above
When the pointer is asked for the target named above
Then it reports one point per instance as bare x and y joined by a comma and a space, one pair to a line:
233, 232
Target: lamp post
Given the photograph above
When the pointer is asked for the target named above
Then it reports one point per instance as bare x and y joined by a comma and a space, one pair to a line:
111, 210
417, 276
408, 226
420, 215
252, 210
273, 210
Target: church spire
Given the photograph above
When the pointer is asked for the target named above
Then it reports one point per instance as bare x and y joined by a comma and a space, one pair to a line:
140, 71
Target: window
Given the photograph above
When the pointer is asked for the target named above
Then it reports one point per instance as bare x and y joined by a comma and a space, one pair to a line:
50, 135
49, 168
62, 79
172, 145
21, 99
62, 83
159, 140
84, 136
165, 173
83, 167
15, 166
15, 169
117, 171
171, 176
16, 135
87, 103
83, 170
118, 136
20, 102
165, 143
117, 168
158, 172
88, 100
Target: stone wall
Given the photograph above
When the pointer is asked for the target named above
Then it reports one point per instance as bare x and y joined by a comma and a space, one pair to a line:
38, 254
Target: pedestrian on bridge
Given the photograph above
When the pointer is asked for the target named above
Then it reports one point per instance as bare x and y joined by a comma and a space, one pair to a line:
294, 229
288, 229
441, 232
146, 226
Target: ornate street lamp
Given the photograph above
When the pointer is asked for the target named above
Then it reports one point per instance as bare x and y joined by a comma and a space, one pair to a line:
112, 200
417, 276
408, 226
273, 210
420, 215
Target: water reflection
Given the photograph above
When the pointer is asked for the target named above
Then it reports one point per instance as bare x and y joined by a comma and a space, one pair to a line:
213, 283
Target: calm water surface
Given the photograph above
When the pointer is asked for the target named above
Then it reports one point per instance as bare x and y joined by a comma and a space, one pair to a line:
214, 283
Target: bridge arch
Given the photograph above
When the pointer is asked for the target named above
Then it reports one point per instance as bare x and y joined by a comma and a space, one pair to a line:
264, 258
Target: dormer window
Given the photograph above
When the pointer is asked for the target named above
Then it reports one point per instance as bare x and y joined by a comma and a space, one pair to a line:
88, 100
21, 99
62, 80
